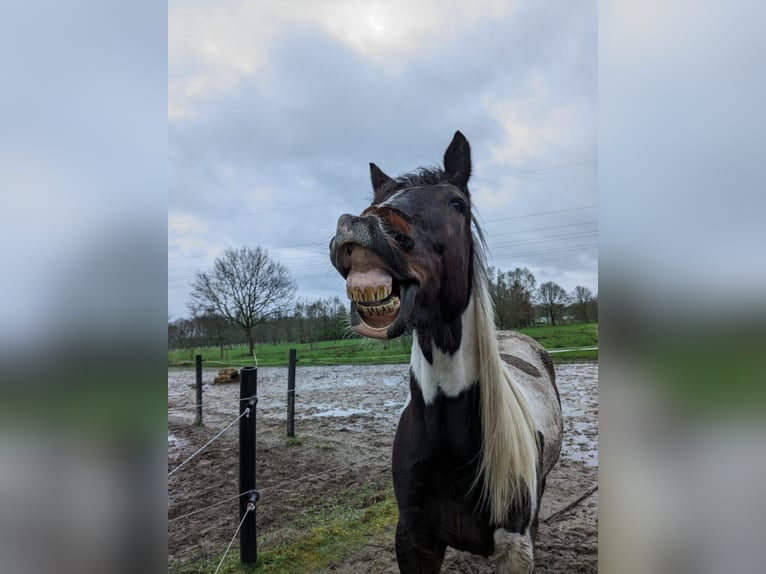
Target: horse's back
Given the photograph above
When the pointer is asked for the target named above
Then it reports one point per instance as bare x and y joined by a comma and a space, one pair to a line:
532, 370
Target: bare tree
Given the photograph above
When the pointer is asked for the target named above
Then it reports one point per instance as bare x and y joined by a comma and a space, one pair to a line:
582, 298
512, 293
522, 286
245, 286
552, 298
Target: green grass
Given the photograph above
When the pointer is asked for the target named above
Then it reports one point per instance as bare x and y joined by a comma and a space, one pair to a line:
315, 541
564, 336
342, 351
366, 351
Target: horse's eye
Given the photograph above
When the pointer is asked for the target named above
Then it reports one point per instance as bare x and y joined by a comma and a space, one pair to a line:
458, 205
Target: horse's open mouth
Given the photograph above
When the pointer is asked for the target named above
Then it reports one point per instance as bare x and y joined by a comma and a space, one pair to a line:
377, 306
376, 296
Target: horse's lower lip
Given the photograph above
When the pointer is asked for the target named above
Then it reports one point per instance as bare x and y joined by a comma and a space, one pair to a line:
379, 316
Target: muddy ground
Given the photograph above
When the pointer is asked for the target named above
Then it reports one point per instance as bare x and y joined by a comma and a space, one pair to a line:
345, 419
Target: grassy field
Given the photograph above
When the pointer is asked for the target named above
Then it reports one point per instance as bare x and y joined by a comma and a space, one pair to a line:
365, 351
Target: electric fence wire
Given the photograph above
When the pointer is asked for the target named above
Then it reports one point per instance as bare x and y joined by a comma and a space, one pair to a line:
203, 447
273, 486
241, 522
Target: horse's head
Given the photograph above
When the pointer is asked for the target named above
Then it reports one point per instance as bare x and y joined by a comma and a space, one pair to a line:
408, 258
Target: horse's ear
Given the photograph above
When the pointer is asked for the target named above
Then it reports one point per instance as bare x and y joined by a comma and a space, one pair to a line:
379, 179
457, 161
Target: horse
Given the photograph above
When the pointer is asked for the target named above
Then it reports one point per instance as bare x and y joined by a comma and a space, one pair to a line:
482, 426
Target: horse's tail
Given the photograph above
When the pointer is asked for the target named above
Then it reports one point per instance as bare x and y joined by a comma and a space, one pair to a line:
509, 451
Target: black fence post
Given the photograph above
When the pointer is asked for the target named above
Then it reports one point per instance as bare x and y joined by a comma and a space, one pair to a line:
198, 416
248, 391
291, 393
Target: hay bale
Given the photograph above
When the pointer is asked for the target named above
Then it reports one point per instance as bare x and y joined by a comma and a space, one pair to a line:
227, 375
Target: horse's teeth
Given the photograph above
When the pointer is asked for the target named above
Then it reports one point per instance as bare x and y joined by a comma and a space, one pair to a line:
369, 310
368, 294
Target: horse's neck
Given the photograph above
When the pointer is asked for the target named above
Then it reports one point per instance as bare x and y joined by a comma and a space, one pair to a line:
450, 373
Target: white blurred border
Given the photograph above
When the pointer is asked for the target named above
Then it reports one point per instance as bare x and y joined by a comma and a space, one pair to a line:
83, 174
682, 286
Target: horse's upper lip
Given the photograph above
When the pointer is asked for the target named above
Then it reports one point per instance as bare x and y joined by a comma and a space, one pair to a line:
365, 231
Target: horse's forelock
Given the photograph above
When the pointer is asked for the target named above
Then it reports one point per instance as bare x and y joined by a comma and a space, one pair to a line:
418, 178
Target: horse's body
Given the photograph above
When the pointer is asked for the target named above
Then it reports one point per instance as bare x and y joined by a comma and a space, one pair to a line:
482, 428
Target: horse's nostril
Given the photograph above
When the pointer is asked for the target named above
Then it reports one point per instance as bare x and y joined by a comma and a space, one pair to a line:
349, 249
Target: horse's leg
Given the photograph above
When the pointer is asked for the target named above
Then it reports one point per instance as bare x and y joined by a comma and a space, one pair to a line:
514, 552
536, 520
417, 549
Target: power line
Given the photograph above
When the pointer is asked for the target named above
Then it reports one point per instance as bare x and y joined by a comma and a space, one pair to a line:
321, 245
544, 228
524, 172
283, 260
541, 213
546, 239
299, 245
541, 252
346, 202
493, 256
547, 252
265, 211
314, 267
326, 267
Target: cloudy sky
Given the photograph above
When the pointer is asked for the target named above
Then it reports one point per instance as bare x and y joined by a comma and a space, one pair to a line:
276, 109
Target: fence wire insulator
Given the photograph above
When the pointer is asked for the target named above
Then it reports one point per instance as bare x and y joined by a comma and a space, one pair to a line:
252, 402
254, 497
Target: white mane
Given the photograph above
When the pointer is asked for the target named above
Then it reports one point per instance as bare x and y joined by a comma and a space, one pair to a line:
509, 451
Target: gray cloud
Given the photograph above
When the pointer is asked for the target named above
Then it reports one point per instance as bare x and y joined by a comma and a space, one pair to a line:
275, 159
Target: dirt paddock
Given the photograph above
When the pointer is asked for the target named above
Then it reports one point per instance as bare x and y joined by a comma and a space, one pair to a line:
345, 422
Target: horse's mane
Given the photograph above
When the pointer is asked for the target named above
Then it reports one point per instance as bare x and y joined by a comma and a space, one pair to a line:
509, 452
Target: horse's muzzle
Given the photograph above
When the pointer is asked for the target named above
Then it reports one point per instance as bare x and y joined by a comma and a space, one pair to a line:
367, 231
350, 229
373, 262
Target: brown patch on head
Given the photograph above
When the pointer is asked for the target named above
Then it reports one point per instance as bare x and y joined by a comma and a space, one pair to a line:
397, 221
390, 217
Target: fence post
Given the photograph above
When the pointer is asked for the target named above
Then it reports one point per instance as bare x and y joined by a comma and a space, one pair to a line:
248, 389
198, 417
291, 393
